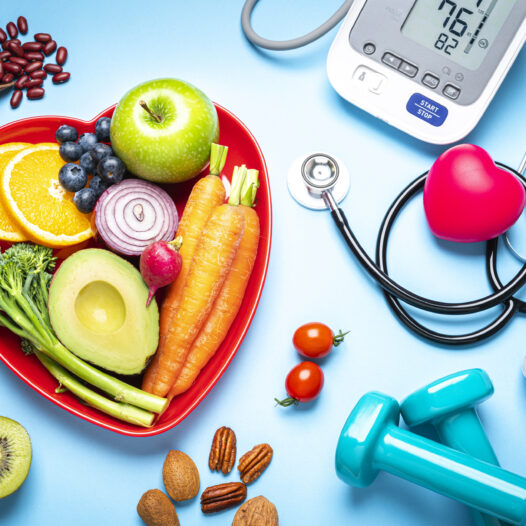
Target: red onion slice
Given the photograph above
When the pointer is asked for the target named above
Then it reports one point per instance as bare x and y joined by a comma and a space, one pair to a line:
131, 215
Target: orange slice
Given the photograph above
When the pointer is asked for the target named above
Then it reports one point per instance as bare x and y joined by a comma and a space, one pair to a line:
34, 197
9, 229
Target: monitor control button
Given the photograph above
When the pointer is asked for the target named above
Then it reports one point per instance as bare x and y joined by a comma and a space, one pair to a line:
392, 60
369, 48
369, 79
431, 81
451, 91
408, 69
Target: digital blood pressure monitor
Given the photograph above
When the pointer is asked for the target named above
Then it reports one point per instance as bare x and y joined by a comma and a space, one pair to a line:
428, 67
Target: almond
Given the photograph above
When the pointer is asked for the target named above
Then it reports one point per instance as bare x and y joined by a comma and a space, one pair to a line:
156, 509
180, 476
256, 512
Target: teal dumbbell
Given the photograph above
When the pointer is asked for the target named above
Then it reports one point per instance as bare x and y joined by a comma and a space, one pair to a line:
448, 404
371, 441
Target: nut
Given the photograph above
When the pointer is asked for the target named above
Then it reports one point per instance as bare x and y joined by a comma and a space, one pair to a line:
223, 451
256, 512
223, 496
180, 476
156, 509
252, 464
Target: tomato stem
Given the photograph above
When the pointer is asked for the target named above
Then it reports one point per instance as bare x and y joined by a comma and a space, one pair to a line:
339, 338
286, 402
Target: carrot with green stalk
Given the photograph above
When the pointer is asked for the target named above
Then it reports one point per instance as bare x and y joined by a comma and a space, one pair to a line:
213, 257
207, 194
231, 296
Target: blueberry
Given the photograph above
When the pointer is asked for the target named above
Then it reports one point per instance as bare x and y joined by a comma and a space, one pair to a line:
102, 129
72, 177
85, 200
111, 170
88, 162
100, 151
87, 141
66, 133
98, 185
70, 151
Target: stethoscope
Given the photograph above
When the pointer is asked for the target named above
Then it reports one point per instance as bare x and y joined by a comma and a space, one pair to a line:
320, 181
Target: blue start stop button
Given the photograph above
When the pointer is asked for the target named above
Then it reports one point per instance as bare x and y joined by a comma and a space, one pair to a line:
427, 109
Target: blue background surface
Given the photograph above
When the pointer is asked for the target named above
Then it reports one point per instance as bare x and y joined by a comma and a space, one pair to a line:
84, 475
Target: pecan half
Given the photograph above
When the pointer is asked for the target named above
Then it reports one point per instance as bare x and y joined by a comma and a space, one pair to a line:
223, 451
253, 463
223, 496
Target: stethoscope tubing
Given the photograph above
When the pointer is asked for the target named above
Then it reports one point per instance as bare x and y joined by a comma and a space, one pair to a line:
395, 293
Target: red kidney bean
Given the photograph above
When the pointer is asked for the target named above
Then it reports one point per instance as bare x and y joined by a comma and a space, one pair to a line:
62, 55
21, 82
4, 54
34, 55
15, 49
13, 68
7, 78
35, 93
12, 30
34, 83
3, 35
16, 41
19, 60
49, 47
42, 37
16, 98
32, 46
53, 68
22, 24
1, 69
40, 74
34, 66
59, 78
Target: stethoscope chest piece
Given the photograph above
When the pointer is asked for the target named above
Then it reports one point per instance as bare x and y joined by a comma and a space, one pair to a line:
313, 174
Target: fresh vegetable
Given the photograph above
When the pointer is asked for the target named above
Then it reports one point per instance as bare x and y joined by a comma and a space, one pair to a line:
15, 456
133, 214
210, 266
97, 307
206, 195
162, 130
303, 384
229, 300
316, 340
160, 264
24, 280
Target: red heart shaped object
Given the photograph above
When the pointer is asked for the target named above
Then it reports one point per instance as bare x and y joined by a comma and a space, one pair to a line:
468, 198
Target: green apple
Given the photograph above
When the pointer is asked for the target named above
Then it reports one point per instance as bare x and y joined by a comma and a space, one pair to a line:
162, 130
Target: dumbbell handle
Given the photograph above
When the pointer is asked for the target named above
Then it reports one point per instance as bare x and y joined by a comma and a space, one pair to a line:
483, 486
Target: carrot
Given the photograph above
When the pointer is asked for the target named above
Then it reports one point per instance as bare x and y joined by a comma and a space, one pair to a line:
206, 195
229, 300
213, 257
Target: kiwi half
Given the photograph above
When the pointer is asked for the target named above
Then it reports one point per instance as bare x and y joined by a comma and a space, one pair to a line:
15, 456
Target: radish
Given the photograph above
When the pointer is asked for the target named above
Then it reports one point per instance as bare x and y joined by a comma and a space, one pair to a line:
160, 264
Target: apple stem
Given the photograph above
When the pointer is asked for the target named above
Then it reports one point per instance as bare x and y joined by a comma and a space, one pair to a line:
145, 107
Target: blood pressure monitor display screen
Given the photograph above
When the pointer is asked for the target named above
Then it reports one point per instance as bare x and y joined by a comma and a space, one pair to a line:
461, 30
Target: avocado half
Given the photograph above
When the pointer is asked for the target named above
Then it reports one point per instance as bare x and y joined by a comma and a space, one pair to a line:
97, 307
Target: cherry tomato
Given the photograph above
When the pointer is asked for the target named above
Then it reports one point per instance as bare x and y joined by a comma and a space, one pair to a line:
315, 340
303, 384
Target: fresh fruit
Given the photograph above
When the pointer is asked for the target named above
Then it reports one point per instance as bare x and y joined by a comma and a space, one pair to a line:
27, 198
102, 129
303, 384
97, 306
160, 264
15, 456
316, 340
70, 151
87, 141
256, 512
98, 185
111, 170
180, 476
85, 200
66, 133
162, 130
101, 150
72, 177
88, 162
156, 509
9, 229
